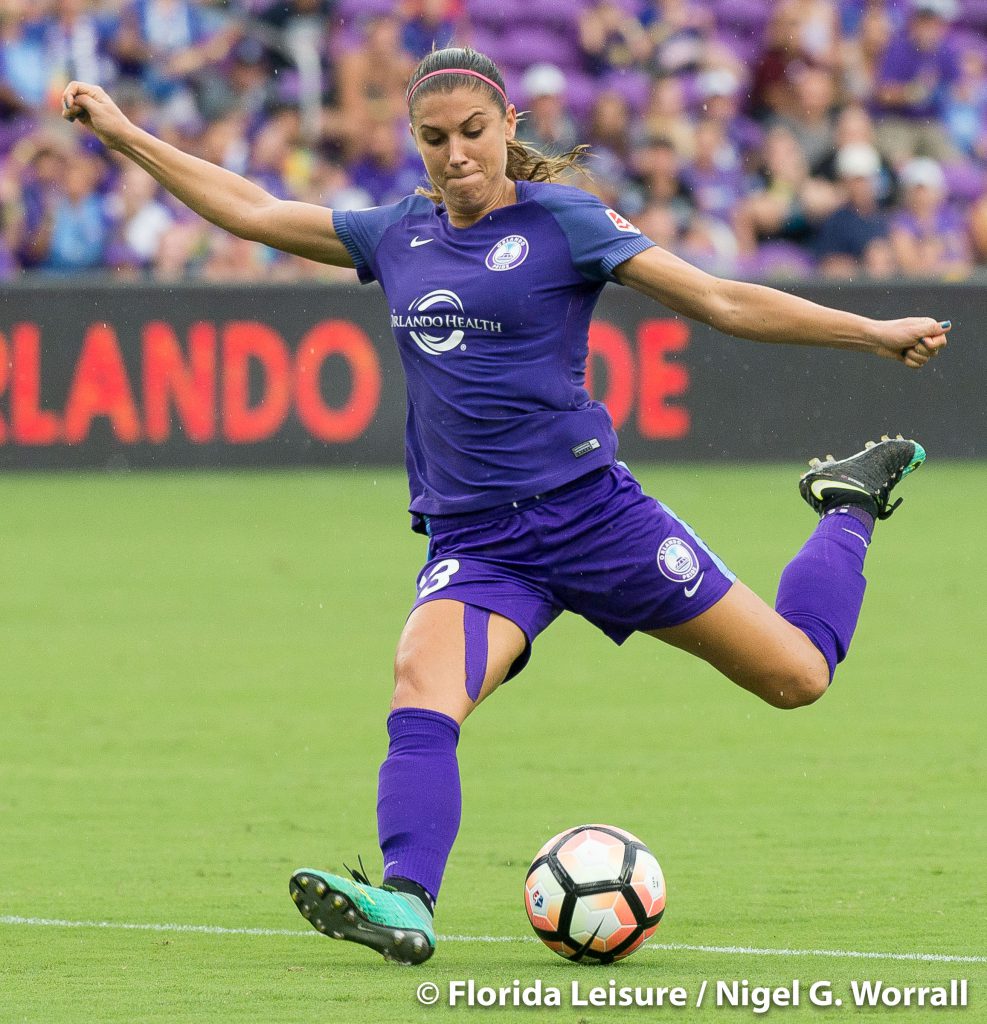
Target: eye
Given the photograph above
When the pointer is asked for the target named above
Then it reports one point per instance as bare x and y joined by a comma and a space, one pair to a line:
433, 140
474, 134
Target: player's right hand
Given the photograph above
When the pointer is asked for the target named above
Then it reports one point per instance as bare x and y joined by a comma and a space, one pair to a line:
91, 105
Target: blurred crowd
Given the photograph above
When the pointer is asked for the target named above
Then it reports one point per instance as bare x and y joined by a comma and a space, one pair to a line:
843, 138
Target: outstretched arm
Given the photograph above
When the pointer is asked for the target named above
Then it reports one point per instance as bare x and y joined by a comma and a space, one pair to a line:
220, 196
766, 314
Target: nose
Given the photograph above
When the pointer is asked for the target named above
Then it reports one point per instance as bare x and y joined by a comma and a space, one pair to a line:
457, 155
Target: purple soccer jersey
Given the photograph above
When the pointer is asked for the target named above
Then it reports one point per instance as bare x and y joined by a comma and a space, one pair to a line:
492, 322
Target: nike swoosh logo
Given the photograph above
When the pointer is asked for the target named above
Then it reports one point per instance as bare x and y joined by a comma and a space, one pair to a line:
689, 592
853, 533
416, 241
819, 486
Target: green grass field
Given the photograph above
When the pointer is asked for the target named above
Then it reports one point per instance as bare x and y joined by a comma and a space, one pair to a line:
195, 673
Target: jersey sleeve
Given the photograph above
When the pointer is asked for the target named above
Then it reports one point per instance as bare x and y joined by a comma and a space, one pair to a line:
600, 239
362, 232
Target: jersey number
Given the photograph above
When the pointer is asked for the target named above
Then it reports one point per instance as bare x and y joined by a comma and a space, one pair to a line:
438, 576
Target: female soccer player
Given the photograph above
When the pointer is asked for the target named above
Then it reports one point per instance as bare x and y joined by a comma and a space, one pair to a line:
491, 278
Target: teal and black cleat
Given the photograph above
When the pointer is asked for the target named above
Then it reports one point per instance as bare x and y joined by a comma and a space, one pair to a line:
865, 479
396, 924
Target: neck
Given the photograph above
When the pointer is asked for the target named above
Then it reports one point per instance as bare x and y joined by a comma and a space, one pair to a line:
506, 195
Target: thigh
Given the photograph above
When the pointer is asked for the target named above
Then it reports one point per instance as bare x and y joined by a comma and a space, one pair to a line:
627, 563
750, 643
430, 665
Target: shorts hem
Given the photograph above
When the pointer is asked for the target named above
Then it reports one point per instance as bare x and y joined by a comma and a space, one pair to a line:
490, 605
620, 636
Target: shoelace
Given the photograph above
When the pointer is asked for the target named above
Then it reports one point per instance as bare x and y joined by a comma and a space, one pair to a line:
360, 877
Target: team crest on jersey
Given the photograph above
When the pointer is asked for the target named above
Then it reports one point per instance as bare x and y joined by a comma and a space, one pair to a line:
622, 223
677, 561
508, 253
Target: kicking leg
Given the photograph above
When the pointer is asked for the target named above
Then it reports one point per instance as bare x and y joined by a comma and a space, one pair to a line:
788, 656
750, 643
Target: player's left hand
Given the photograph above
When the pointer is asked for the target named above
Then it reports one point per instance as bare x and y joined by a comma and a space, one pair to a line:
913, 340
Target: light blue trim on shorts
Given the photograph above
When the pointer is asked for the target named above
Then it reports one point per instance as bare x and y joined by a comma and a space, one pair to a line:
731, 576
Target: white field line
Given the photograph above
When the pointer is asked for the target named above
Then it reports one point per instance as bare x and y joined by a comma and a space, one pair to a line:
209, 929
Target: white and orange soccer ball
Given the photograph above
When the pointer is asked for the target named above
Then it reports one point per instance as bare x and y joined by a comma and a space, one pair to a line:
594, 893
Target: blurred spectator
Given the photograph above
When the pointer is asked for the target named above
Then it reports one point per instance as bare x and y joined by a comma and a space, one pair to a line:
818, 30
854, 124
966, 105
76, 42
11, 218
928, 237
66, 226
609, 128
660, 224
709, 243
657, 170
23, 71
719, 94
665, 115
234, 260
270, 155
785, 206
611, 39
862, 51
250, 81
677, 33
773, 86
371, 83
331, 185
139, 220
428, 24
854, 238
977, 223
714, 177
811, 123
165, 43
224, 142
388, 170
546, 124
920, 65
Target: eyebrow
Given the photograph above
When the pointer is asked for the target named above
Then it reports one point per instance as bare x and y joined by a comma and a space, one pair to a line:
462, 125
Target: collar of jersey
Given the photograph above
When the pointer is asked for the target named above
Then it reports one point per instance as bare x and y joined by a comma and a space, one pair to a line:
521, 189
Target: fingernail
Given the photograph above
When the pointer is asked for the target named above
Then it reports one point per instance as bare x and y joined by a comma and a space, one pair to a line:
946, 324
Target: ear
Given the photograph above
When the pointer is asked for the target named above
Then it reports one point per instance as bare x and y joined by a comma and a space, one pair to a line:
510, 123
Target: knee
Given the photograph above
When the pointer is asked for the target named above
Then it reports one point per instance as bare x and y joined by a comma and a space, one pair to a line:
797, 686
410, 685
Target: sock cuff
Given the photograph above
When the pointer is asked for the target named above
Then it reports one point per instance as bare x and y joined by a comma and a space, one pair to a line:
861, 515
403, 721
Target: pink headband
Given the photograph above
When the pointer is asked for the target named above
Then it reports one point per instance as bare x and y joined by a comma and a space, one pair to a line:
458, 71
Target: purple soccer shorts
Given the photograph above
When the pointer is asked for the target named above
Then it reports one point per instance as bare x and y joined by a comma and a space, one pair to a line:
598, 547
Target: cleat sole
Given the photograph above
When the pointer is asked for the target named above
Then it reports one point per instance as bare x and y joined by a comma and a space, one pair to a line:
339, 918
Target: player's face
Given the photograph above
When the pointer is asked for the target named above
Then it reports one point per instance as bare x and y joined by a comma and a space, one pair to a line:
462, 137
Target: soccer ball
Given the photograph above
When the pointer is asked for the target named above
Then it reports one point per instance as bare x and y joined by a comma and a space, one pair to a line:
594, 893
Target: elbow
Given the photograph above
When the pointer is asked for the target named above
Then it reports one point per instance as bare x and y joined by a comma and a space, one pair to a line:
722, 309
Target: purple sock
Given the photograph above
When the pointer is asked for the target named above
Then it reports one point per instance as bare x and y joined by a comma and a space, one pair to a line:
418, 797
822, 588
